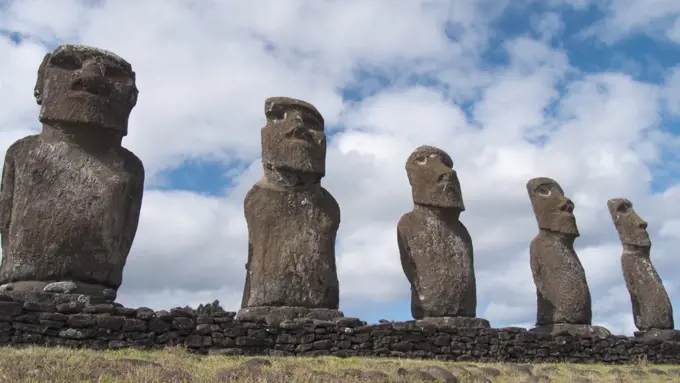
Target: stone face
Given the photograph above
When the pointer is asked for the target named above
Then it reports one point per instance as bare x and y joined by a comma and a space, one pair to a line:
292, 220
562, 292
435, 247
71, 195
652, 308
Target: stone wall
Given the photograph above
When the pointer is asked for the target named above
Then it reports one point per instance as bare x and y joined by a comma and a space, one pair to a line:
111, 326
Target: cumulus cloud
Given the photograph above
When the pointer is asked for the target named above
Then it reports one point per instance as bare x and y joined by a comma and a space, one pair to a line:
387, 76
623, 18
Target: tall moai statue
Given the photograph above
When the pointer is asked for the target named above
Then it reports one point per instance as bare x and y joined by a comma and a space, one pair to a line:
292, 220
563, 296
435, 247
652, 308
71, 195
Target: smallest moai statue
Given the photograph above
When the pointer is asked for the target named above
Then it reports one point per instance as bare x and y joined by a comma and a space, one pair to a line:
652, 309
435, 247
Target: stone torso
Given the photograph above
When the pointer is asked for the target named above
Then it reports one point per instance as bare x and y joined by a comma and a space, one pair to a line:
561, 287
72, 212
437, 257
291, 248
651, 306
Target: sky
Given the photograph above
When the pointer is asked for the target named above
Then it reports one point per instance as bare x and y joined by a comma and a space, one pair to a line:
585, 92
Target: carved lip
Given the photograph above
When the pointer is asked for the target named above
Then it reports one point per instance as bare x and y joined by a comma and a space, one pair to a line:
94, 86
638, 241
639, 236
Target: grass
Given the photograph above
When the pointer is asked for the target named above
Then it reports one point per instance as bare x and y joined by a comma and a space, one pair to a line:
36, 364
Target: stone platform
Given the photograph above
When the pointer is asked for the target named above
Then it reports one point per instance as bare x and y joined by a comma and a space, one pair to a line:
276, 315
73, 321
40, 297
577, 330
455, 322
97, 292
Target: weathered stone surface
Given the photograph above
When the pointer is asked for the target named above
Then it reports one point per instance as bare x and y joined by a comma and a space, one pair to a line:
274, 316
292, 220
435, 247
41, 297
659, 335
652, 309
90, 327
71, 195
562, 292
455, 322
578, 330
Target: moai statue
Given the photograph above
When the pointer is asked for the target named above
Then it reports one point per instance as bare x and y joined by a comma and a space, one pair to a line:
652, 308
435, 247
71, 195
563, 296
292, 221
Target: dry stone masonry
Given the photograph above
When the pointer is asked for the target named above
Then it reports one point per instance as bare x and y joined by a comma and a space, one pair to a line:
70, 199
71, 195
111, 326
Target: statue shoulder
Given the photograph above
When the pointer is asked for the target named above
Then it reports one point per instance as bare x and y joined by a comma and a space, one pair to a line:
22, 145
407, 223
255, 192
329, 200
133, 166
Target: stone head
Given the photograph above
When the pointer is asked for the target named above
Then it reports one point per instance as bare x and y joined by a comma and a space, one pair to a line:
82, 85
433, 180
553, 210
294, 137
632, 229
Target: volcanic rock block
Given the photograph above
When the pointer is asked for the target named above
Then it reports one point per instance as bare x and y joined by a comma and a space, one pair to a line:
292, 220
562, 292
71, 195
435, 247
652, 308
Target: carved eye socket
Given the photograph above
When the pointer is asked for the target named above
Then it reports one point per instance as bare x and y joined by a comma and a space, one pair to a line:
115, 71
67, 62
313, 123
421, 160
276, 112
544, 190
622, 208
434, 155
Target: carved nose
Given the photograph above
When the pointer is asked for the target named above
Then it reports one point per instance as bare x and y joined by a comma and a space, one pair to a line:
445, 177
643, 225
567, 206
92, 84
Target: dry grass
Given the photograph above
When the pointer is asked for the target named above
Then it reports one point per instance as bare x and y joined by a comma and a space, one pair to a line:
35, 364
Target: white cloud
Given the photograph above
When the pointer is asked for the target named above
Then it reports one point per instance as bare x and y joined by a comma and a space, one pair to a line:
657, 18
204, 69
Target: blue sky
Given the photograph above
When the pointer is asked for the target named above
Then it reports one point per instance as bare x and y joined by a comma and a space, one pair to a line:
643, 57
582, 91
